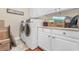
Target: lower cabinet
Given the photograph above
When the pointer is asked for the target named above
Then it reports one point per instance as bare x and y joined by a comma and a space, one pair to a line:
5, 45
44, 41
54, 42
64, 45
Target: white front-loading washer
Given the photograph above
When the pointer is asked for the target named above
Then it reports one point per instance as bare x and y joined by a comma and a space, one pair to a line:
29, 35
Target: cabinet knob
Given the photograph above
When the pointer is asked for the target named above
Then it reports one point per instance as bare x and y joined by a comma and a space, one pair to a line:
53, 37
64, 33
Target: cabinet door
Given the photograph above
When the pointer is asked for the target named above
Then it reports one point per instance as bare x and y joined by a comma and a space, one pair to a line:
63, 45
53, 44
44, 40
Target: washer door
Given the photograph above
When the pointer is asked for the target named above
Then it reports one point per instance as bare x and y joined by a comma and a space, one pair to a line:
27, 29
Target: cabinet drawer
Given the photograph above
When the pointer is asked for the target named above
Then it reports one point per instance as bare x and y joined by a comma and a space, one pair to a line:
4, 41
40, 30
4, 45
72, 34
44, 30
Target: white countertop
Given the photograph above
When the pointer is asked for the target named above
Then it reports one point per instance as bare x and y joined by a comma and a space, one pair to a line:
60, 28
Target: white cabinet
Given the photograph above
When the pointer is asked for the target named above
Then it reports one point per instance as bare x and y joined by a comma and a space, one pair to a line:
58, 40
45, 42
66, 33
65, 45
44, 39
65, 40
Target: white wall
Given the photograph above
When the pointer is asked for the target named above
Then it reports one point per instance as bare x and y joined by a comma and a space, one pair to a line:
71, 13
13, 19
36, 12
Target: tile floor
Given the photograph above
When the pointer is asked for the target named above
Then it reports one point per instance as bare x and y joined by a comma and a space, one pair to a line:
20, 46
